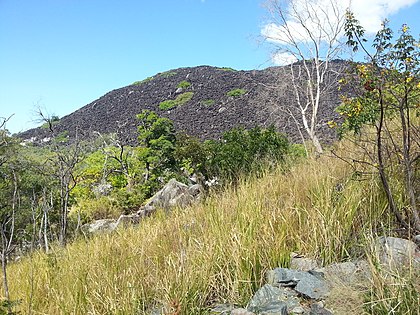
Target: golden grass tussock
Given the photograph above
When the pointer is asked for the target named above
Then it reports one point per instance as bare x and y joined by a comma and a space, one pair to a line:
217, 251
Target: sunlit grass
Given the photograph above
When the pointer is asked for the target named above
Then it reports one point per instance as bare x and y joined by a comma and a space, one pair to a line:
215, 252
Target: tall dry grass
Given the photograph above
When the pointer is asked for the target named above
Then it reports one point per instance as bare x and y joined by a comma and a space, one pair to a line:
214, 252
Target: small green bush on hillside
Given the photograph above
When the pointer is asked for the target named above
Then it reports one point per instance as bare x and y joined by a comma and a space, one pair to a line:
180, 100
168, 104
168, 74
143, 81
209, 102
236, 92
226, 69
184, 84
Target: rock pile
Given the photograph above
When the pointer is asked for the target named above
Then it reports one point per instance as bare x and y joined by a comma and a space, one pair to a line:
304, 288
213, 109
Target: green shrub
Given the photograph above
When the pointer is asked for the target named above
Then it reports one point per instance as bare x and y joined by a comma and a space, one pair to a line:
184, 84
168, 104
126, 200
180, 100
143, 81
168, 74
95, 209
184, 98
236, 92
209, 102
239, 152
226, 69
246, 151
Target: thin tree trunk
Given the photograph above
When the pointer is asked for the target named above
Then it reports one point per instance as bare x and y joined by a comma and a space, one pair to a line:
45, 219
381, 167
4, 264
408, 171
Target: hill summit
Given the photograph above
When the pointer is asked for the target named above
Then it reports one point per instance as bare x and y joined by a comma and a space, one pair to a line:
202, 101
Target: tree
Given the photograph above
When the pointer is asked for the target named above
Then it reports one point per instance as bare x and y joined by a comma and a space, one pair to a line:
306, 35
387, 100
156, 144
62, 166
8, 202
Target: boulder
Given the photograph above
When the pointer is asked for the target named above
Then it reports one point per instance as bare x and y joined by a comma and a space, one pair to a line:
346, 272
173, 194
396, 252
273, 300
309, 284
99, 226
301, 263
241, 311
224, 309
319, 310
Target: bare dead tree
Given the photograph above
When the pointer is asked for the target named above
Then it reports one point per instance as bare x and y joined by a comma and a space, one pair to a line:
306, 34
63, 166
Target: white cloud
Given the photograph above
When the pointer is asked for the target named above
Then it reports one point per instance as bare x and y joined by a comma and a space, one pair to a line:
283, 59
370, 13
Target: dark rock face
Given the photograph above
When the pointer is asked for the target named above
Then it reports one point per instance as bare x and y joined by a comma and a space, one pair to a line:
268, 97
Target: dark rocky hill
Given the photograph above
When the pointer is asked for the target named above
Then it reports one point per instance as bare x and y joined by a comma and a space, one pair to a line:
267, 98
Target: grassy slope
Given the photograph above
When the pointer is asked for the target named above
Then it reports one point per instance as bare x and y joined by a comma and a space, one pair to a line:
217, 251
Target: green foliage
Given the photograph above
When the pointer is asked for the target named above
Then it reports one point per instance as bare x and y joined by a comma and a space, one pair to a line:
128, 200
297, 151
180, 100
238, 153
236, 92
391, 76
245, 151
62, 137
148, 79
168, 74
184, 98
226, 69
209, 102
387, 90
168, 104
191, 154
95, 209
6, 307
184, 84
156, 146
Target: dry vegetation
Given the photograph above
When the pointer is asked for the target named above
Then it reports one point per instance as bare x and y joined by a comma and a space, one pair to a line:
215, 252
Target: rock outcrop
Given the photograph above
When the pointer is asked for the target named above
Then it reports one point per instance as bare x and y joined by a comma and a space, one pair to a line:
173, 194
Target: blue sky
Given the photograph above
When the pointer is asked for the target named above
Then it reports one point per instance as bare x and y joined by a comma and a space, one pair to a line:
63, 54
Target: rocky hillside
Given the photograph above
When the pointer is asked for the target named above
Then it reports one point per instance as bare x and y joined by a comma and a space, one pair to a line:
207, 101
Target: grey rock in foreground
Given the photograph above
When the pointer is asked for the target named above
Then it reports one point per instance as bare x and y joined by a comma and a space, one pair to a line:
318, 310
273, 300
311, 285
302, 263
